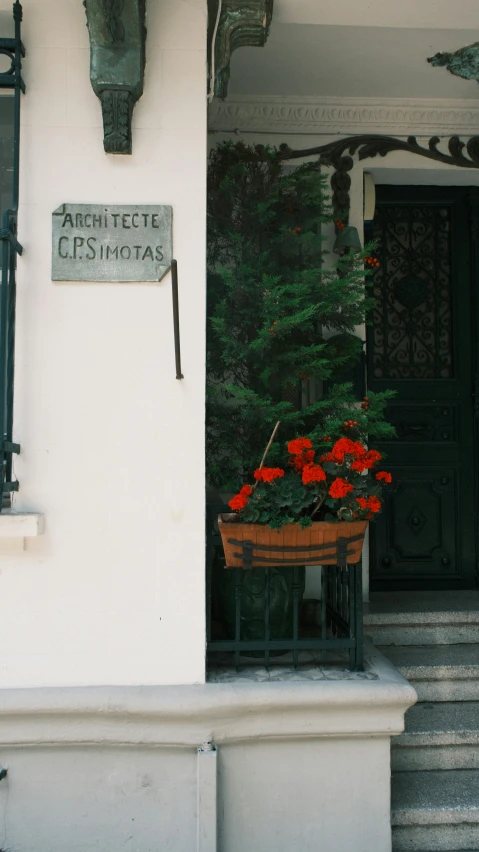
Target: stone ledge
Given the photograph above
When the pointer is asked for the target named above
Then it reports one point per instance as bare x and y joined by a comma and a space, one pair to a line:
221, 712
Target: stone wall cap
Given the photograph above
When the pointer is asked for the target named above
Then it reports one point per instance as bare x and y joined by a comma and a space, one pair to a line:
222, 712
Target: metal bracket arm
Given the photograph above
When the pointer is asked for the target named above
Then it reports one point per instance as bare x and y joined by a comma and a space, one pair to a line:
9, 447
5, 234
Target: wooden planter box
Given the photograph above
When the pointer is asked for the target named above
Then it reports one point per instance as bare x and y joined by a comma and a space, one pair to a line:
258, 546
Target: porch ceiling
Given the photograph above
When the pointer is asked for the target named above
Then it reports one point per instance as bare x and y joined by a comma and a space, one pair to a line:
444, 14
353, 61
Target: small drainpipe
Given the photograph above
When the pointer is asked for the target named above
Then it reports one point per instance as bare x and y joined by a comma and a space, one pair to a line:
206, 809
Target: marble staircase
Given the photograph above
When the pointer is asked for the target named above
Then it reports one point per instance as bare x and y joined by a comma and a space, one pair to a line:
433, 639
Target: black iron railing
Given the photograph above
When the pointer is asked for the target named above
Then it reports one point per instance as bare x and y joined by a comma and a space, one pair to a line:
334, 633
11, 248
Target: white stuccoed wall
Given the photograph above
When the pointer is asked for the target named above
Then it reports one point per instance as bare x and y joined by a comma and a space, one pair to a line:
113, 592
112, 444
273, 797
301, 765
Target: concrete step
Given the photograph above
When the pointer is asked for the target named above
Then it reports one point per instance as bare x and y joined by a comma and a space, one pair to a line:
435, 811
438, 735
422, 618
439, 672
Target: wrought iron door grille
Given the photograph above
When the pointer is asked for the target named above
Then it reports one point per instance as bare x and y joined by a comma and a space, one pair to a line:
412, 334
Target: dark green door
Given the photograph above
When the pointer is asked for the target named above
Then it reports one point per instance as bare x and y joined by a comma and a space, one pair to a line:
421, 343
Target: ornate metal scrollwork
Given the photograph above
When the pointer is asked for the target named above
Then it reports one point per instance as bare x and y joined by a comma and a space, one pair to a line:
341, 152
234, 24
371, 145
14, 50
411, 334
117, 42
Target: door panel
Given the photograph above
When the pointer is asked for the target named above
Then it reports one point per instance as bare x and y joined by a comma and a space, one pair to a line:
418, 538
420, 344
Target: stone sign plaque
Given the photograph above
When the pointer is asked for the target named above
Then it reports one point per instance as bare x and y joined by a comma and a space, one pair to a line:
96, 242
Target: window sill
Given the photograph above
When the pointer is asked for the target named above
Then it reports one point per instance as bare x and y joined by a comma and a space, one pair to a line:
15, 527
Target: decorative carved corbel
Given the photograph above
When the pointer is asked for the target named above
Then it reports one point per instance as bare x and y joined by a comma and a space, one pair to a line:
233, 24
463, 63
117, 61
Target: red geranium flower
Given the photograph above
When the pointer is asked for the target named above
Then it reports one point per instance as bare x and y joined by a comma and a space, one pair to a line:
313, 473
366, 461
344, 447
374, 504
340, 487
371, 503
238, 502
299, 461
298, 445
384, 476
246, 490
267, 474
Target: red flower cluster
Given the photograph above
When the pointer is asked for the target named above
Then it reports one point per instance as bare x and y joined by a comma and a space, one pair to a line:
340, 488
313, 473
301, 450
301, 460
298, 445
240, 500
371, 503
352, 454
366, 461
362, 459
344, 447
268, 474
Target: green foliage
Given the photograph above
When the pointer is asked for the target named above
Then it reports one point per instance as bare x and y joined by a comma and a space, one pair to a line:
284, 501
273, 293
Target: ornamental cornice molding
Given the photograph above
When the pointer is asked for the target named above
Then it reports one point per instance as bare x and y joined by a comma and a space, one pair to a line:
326, 115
